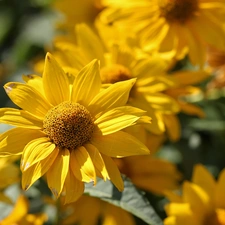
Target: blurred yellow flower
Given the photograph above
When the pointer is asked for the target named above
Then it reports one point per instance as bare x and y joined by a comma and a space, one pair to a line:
74, 12
150, 173
185, 26
68, 130
89, 210
19, 215
202, 201
10, 174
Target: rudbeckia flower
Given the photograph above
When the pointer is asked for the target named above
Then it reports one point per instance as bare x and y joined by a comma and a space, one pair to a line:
185, 26
10, 174
202, 201
96, 209
70, 131
119, 63
150, 173
19, 214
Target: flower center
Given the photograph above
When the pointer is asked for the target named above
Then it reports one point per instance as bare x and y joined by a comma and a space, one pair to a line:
179, 10
69, 125
116, 73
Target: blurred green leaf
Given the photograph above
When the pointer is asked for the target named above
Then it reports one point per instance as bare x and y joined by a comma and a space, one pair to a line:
131, 199
5, 23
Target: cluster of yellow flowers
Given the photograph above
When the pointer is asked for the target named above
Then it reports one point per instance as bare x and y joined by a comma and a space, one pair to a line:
109, 89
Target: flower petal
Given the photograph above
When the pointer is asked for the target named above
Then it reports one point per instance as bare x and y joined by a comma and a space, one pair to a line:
118, 118
114, 96
27, 98
57, 174
36, 150
73, 188
34, 81
119, 144
19, 118
87, 83
55, 81
13, 141
113, 172
197, 198
97, 160
219, 191
90, 44
82, 165
19, 211
39, 169
203, 178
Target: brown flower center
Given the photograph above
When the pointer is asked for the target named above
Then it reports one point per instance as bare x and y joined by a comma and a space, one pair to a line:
69, 125
179, 10
116, 73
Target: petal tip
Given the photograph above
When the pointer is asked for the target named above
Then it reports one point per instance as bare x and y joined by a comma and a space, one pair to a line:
9, 87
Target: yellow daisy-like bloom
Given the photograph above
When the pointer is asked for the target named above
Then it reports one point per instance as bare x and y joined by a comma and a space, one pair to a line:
202, 201
95, 208
120, 63
19, 215
150, 173
70, 131
10, 174
183, 26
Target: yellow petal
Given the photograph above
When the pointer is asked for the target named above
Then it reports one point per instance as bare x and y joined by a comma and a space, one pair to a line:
197, 198
114, 215
73, 188
97, 161
19, 211
39, 169
35, 81
19, 118
190, 77
162, 102
203, 178
119, 144
173, 126
118, 118
177, 209
114, 96
82, 165
57, 174
157, 124
27, 98
113, 172
219, 191
89, 43
13, 141
191, 109
209, 30
87, 84
197, 52
55, 81
36, 150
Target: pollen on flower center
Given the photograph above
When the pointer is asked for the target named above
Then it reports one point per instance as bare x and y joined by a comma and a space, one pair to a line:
179, 10
69, 125
116, 73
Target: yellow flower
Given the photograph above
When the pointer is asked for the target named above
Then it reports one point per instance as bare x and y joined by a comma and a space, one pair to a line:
19, 215
150, 173
120, 63
202, 201
68, 130
171, 25
96, 209
77, 12
9, 175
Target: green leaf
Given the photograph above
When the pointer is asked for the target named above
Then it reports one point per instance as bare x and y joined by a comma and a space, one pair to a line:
131, 199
